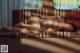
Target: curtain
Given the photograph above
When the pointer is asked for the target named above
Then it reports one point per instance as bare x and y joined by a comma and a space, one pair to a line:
6, 7
31, 4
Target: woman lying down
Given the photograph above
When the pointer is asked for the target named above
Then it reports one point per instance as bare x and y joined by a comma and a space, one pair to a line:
36, 24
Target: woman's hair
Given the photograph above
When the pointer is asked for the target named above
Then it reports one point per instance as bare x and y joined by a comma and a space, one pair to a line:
74, 27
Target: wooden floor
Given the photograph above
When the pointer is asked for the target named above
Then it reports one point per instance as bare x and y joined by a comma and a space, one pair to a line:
46, 45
